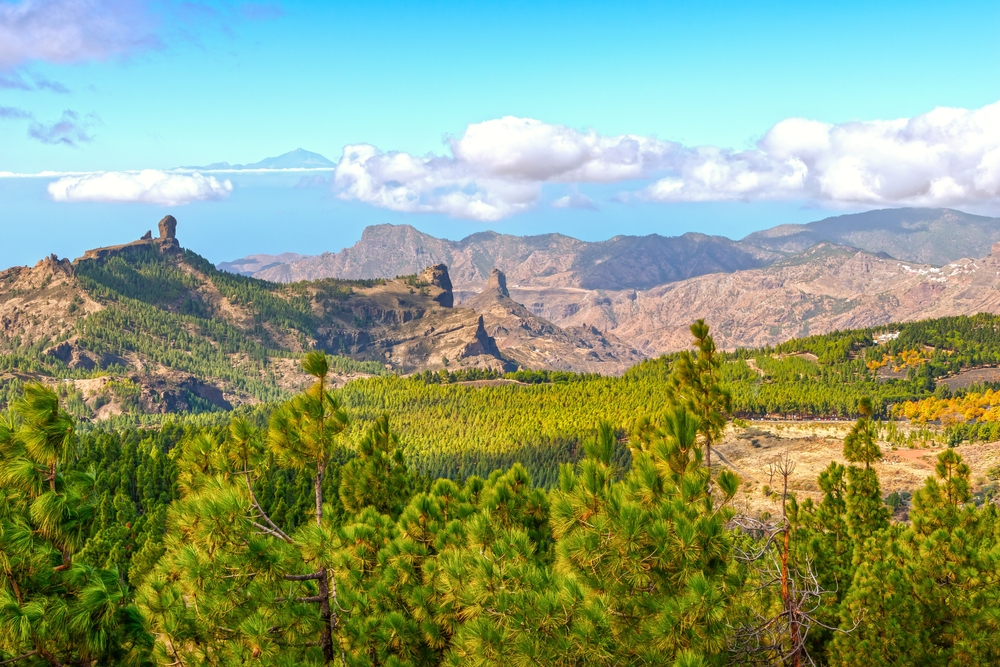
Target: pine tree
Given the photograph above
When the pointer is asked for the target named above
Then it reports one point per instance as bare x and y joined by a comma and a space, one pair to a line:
866, 514
230, 585
697, 382
378, 477
955, 566
650, 551
54, 609
881, 620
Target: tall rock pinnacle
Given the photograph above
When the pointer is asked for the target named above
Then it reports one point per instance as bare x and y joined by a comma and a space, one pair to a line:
168, 227
497, 284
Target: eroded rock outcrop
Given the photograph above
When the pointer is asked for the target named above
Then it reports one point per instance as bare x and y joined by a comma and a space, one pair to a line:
168, 227
167, 242
496, 285
437, 276
481, 344
535, 342
168, 235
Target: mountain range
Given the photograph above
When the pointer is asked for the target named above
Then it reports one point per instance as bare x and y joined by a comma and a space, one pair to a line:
854, 270
152, 323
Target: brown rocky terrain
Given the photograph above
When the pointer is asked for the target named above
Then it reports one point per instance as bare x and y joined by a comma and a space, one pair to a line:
535, 342
826, 288
44, 301
409, 324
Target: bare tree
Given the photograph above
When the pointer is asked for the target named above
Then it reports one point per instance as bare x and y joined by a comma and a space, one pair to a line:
768, 638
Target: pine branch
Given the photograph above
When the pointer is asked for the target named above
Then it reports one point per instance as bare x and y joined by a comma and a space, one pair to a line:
303, 577
268, 531
274, 530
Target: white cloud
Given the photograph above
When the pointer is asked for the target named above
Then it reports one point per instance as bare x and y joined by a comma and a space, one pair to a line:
148, 186
496, 169
940, 158
67, 31
575, 200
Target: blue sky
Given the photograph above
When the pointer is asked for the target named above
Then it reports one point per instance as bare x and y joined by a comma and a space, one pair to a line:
591, 119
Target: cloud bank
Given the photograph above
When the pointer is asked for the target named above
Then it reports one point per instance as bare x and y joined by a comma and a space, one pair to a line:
944, 157
67, 31
497, 168
148, 186
502, 167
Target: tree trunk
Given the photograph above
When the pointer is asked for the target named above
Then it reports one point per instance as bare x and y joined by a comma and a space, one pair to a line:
318, 487
793, 623
325, 617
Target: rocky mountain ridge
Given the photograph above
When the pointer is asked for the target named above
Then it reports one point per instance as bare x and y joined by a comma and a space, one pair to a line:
386, 251
825, 288
168, 331
926, 236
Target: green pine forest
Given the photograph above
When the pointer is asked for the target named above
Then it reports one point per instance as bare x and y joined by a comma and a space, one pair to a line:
321, 529
471, 518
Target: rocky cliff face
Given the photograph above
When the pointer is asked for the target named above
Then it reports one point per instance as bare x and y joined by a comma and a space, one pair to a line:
438, 279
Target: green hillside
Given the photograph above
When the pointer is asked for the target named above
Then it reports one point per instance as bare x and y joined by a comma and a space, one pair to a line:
175, 312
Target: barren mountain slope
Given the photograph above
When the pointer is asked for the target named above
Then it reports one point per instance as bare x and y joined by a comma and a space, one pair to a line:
826, 288
41, 302
385, 251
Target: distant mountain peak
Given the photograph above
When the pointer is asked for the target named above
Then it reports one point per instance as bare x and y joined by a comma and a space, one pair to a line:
296, 159
927, 235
